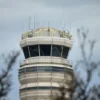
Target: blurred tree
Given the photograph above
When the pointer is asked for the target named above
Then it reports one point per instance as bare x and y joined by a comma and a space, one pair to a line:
5, 76
78, 87
81, 87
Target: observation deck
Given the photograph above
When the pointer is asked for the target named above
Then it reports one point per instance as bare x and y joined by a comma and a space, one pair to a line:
47, 32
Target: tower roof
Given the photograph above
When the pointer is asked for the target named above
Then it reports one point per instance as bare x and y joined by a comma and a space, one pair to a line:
52, 32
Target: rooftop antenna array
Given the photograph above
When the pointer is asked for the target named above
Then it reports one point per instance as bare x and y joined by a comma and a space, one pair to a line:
29, 23
22, 27
43, 23
70, 26
63, 28
48, 24
34, 22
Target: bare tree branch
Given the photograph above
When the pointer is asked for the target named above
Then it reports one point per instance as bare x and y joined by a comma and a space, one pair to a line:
80, 88
5, 78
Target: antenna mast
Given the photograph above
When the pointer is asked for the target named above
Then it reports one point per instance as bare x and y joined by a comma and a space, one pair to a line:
70, 27
34, 21
63, 28
48, 24
29, 23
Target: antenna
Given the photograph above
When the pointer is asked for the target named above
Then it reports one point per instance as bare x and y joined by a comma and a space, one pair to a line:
22, 30
29, 23
22, 27
48, 24
34, 21
63, 28
48, 29
70, 27
43, 23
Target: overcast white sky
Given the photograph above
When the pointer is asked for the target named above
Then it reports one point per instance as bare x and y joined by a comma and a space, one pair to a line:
60, 14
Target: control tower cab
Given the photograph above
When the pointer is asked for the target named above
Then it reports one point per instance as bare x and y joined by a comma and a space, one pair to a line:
45, 65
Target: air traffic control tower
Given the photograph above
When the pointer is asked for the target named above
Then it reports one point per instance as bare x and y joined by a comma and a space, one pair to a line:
45, 65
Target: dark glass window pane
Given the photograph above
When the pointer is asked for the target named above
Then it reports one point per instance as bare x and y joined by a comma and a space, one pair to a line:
57, 69
44, 69
45, 50
60, 68
31, 69
56, 50
22, 71
68, 70
32, 88
23, 89
26, 53
43, 88
40, 88
65, 52
34, 51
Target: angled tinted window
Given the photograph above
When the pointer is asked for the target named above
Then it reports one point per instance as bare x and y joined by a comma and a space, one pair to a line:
45, 50
26, 52
34, 51
65, 52
56, 50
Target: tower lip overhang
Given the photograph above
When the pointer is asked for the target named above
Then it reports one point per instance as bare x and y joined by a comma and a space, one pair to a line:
46, 40
45, 60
